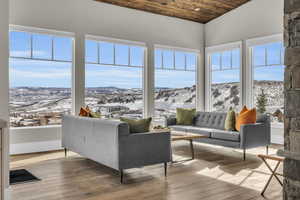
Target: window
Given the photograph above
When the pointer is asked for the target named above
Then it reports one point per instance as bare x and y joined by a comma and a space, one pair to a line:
267, 79
224, 80
40, 78
175, 79
114, 78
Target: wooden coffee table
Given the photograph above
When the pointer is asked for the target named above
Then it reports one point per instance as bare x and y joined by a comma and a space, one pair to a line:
177, 136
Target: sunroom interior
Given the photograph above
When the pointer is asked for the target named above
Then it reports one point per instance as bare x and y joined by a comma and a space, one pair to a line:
123, 62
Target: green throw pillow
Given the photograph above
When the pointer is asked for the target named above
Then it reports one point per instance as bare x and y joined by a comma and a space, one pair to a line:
95, 115
185, 116
139, 125
230, 120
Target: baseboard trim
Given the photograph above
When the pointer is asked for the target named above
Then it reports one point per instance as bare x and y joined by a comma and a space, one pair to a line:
33, 147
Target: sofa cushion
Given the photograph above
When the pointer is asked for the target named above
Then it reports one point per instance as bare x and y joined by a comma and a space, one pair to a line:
199, 130
178, 128
226, 135
192, 129
210, 120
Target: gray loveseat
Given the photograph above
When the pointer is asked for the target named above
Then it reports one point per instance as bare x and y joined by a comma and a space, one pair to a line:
110, 143
212, 124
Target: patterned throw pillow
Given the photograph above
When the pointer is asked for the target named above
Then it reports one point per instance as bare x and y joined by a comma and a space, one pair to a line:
185, 116
230, 120
138, 125
245, 117
86, 112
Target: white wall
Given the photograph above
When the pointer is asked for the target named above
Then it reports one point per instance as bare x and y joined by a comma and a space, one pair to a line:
4, 85
257, 18
89, 17
29, 140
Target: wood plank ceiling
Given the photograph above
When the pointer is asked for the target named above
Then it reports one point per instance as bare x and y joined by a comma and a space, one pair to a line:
201, 11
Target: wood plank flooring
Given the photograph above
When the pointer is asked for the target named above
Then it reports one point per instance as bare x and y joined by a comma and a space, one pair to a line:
216, 174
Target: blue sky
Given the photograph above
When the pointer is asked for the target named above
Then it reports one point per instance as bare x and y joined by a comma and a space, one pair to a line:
35, 73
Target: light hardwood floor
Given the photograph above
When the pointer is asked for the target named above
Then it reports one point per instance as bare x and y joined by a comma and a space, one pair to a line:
216, 174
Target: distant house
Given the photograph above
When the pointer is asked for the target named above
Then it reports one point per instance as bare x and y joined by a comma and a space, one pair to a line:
111, 109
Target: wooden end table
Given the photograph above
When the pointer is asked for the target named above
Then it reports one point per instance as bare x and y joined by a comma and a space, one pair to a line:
177, 136
274, 172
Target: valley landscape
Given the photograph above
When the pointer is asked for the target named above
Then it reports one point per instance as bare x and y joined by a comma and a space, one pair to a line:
32, 106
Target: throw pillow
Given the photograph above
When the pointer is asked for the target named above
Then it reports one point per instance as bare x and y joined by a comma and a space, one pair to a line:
138, 125
84, 112
95, 115
230, 120
244, 109
185, 116
245, 117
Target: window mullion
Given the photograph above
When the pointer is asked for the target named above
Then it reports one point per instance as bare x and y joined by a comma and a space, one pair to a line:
185, 62
231, 67
162, 59
114, 54
221, 63
52, 48
129, 55
280, 61
174, 67
98, 53
266, 57
31, 46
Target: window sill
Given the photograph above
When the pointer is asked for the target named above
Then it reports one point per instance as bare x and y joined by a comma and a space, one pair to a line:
35, 127
277, 125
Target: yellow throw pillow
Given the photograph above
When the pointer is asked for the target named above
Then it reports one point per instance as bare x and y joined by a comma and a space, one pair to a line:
138, 125
95, 115
230, 120
245, 117
185, 116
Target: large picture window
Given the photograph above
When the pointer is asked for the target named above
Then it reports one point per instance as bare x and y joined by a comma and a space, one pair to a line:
40, 78
224, 80
175, 81
114, 78
268, 75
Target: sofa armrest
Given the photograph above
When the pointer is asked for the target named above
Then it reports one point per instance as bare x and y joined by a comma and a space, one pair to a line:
169, 121
143, 149
255, 135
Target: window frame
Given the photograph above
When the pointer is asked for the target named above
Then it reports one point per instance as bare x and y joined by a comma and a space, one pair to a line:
197, 71
128, 43
250, 43
208, 72
174, 50
53, 33
47, 32
115, 42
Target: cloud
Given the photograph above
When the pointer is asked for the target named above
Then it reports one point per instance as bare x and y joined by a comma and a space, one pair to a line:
47, 74
113, 72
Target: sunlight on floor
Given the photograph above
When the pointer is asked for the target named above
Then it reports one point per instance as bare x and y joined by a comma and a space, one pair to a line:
249, 178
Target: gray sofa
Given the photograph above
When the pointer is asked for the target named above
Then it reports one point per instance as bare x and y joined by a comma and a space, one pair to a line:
110, 143
212, 125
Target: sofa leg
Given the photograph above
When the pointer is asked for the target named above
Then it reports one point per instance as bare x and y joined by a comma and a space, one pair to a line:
244, 154
267, 149
166, 168
66, 151
121, 176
